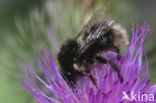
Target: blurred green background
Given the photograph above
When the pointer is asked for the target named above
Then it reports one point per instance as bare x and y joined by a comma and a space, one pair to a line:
25, 25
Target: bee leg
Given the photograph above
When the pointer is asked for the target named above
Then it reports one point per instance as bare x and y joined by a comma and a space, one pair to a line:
112, 64
119, 54
88, 73
93, 81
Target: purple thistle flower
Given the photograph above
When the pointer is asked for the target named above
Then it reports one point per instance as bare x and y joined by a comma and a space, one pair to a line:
133, 89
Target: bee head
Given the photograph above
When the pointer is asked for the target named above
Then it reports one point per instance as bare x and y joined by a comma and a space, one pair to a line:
120, 35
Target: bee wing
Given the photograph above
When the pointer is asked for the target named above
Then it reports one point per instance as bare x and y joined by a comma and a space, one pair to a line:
91, 22
101, 30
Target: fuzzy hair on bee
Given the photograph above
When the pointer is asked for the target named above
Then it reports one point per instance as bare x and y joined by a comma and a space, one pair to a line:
65, 58
76, 58
120, 35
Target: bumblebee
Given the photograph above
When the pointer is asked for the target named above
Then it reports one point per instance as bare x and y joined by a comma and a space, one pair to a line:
75, 58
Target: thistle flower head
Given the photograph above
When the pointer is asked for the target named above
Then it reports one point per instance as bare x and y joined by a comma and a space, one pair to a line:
111, 90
